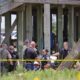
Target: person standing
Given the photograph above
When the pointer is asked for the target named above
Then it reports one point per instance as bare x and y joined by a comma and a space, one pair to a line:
30, 54
14, 56
5, 55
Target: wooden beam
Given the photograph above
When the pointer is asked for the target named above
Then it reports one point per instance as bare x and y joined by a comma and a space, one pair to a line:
8, 7
11, 5
38, 1
71, 2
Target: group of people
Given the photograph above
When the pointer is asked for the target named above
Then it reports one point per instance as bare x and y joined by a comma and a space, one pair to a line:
35, 60
7, 53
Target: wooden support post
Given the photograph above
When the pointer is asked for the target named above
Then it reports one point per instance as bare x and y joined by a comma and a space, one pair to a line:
40, 27
7, 27
60, 26
29, 26
47, 26
20, 17
71, 25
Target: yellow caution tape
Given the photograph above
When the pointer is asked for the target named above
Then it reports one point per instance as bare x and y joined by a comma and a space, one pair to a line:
23, 60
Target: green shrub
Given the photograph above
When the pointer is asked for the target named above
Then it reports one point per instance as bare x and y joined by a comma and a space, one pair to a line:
49, 74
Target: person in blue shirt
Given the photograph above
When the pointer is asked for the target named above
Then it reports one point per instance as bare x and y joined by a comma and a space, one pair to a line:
52, 38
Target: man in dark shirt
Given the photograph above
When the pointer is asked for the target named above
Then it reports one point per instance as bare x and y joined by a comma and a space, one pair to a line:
14, 56
30, 54
64, 51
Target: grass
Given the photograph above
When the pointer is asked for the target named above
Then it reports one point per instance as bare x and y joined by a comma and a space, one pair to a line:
49, 74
